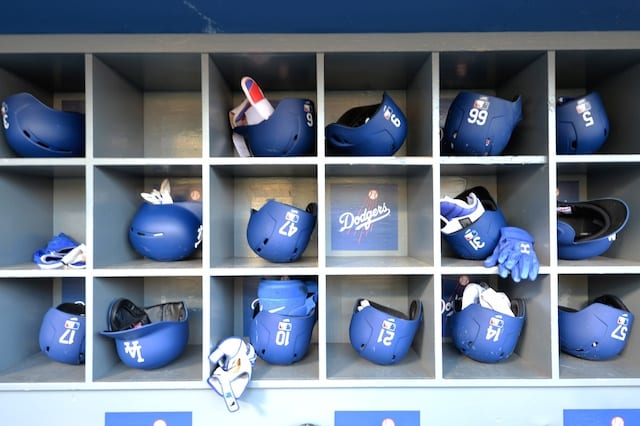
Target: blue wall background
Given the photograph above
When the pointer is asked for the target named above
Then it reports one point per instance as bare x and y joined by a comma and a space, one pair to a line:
304, 16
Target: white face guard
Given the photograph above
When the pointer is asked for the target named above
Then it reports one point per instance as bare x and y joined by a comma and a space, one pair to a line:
234, 359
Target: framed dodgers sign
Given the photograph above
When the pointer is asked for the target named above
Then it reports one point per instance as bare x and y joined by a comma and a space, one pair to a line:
366, 218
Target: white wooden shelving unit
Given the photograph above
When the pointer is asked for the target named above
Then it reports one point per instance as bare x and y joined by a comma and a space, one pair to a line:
156, 107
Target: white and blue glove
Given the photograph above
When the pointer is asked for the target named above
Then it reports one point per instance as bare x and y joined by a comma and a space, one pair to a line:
456, 214
515, 255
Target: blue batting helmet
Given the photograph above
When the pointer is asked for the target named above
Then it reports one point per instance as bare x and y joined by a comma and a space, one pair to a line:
478, 124
381, 334
280, 232
289, 131
588, 228
582, 125
167, 232
148, 338
486, 335
598, 331
62, 333
32, 129
373, 130
477, 238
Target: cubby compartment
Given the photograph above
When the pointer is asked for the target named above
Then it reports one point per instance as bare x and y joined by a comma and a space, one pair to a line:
56, 80
615, 76
145, 292
507, 75
236, 190
532, 356
521, 192
379, 216
605, 179
40, 202
279, 75
394, 292
232, 307
358, 79
24, 302
117, 198
147, 105
577, 290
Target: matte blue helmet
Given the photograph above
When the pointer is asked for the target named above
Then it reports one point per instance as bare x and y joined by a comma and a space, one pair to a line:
284, 316
582, 125
373, 130
289, 131
62, 333
33, 129
381, 334
598, 331
486, 335
588, 228
281, 339
167, 232
148, 338
478, 124
478, 236
280, 232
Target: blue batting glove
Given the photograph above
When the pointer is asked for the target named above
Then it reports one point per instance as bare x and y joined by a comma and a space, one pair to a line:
515, 255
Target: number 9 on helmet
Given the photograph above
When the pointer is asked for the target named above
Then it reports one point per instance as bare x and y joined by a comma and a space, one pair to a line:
289, 131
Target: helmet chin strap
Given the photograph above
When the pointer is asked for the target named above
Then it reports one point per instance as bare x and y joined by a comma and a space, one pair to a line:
221, 381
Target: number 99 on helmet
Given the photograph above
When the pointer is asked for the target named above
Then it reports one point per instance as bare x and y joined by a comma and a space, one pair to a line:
381, 334
479, 124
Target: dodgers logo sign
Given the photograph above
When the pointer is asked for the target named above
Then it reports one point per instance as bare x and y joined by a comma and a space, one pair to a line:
364, 216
